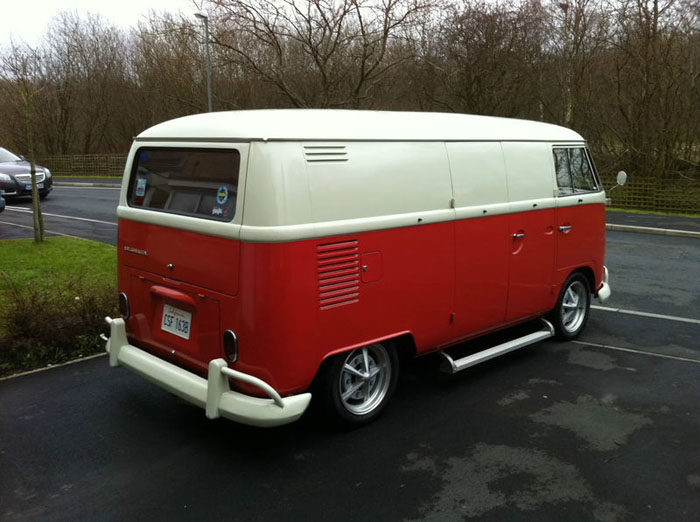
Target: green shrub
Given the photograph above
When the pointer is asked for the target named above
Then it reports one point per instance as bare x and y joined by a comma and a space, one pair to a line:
52, 322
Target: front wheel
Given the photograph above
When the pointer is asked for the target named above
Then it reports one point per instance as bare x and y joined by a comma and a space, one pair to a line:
356, 386
573, 307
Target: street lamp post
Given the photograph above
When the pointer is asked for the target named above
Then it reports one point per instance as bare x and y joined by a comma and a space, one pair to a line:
204, 17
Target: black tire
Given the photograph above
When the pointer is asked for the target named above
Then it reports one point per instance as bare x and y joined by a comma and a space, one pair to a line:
570, 316
349, 371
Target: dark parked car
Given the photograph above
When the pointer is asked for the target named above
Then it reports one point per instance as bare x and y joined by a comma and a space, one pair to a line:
16, 178
2, 204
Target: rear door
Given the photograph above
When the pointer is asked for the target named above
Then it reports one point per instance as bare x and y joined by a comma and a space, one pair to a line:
179, 228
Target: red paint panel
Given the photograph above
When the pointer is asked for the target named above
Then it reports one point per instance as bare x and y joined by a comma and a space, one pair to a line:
531, 272
206, 261
148, 293
299, 302
481, 285
372, 267
284, 335
584, 243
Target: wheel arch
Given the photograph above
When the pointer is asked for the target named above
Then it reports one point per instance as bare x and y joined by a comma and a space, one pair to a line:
404, 343
588, 273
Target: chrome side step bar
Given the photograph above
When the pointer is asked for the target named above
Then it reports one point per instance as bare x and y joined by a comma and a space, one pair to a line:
450, 365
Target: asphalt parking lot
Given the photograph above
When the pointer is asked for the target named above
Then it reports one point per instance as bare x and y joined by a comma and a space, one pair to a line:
83, 211
605, 428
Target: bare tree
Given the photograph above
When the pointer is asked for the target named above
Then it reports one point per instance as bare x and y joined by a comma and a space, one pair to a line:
19, 71
320, 53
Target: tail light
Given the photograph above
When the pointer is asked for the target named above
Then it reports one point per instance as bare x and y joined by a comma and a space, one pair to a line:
230, 346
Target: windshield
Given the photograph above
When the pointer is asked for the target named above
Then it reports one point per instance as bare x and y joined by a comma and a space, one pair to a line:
194, 182
6, 156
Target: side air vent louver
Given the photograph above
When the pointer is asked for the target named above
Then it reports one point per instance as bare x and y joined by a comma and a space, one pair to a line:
338, 274
325, 153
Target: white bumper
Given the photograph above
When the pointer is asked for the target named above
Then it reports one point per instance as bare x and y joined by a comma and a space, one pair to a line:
213, 394
604, 290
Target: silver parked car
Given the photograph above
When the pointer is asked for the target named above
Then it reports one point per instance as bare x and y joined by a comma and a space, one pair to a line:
16, 178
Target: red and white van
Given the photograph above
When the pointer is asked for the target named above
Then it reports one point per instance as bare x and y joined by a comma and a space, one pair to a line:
261, 252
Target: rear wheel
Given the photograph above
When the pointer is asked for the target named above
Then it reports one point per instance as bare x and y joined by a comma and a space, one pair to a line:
573, 307
356, 386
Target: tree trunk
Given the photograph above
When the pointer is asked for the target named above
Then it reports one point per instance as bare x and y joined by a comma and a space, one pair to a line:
38, 220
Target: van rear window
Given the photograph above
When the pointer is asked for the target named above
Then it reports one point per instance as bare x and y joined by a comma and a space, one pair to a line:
191, 182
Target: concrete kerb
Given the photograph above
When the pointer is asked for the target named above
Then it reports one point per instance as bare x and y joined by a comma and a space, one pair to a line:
652, 230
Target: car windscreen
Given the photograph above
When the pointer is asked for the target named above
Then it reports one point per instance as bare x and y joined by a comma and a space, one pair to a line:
7, 156
190, 182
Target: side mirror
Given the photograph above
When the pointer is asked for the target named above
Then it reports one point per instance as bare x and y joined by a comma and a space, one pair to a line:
621, 178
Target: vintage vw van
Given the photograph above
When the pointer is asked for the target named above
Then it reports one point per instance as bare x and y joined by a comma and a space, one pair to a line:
265, 254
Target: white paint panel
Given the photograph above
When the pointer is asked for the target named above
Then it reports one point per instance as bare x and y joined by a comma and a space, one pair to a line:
572, 200
478, 211
191, 224
349, 125
380, 179
530, 173
277, 192
348, 226
478, 174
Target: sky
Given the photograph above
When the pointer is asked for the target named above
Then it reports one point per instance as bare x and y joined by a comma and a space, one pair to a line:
28, 20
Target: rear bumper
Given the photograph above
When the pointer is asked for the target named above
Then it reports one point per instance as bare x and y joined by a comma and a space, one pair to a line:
604, 289
213, 393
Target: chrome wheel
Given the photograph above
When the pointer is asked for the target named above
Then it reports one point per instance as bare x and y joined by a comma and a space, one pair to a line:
574, 307
365, 379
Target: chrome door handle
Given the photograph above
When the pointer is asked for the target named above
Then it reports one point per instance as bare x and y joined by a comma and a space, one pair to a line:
565, 228
519, 235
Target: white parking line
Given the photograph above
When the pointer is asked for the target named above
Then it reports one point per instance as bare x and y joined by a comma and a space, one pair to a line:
28, 211
86, 188
646, 314
639, 352
32, 228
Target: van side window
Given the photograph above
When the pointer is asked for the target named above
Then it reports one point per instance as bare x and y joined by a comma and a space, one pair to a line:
574, 171
192, 182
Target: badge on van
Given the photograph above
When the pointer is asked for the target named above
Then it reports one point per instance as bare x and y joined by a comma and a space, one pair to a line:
222, 195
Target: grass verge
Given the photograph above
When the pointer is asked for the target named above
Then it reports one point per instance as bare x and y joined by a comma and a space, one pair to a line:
53, 300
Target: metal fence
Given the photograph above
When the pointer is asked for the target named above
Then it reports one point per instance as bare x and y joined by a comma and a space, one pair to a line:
85, 165
677, 196
681, 195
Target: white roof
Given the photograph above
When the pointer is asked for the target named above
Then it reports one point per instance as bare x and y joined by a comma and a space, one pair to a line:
350, 125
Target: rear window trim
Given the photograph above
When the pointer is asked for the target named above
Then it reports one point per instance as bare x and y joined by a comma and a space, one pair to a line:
133, 177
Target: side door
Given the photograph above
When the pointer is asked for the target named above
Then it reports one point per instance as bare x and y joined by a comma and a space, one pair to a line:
580, 213
531, 228
481, 235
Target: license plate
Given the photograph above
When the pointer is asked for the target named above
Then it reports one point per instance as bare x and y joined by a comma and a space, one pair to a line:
38, 185
176, 321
